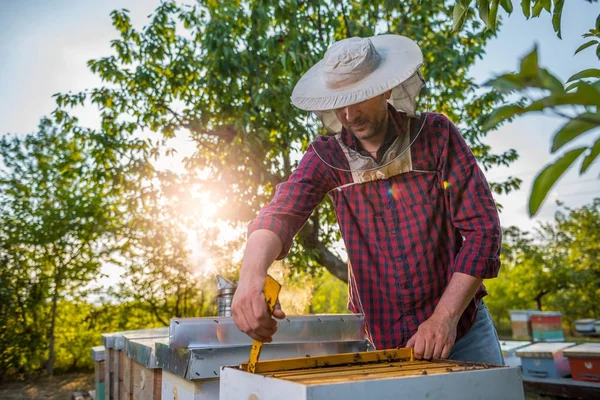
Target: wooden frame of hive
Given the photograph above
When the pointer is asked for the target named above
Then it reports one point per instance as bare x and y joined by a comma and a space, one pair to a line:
386, 374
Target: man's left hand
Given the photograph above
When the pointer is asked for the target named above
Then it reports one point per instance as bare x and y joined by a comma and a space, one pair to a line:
434, 338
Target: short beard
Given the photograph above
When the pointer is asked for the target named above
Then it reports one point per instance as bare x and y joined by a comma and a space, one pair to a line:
377, 128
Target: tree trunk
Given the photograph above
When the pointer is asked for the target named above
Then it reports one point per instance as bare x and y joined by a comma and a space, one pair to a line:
50, 367
309, 237
538, 299
337, 267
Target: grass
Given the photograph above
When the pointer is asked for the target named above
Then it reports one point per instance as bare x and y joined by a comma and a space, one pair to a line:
47, 387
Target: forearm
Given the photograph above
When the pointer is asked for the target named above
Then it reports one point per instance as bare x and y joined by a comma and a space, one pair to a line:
262, 249
460, 291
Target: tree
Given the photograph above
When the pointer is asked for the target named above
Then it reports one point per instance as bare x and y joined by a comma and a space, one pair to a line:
158, 275
555, 269
224, 71
577, 101
60, 195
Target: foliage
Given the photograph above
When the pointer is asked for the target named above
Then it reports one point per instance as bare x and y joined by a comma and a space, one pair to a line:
330, 295
158, 274
223, 72
556, 269
57, 213
577, 102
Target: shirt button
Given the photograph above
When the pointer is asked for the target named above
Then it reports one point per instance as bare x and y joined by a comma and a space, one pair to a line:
399, 258
393, 231
410, 312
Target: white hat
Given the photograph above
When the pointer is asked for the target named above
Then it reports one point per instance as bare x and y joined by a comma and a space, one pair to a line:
357, 69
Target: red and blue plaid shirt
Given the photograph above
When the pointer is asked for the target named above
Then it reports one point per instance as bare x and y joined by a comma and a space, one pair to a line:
405, 235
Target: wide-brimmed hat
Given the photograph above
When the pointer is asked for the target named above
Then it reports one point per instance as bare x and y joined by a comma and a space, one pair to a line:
357, 69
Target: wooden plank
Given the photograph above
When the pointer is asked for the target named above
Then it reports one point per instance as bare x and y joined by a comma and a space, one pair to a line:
99, 373
121, 376
144, 382
108, 373
345, 368
319, 380
157, 384
404, 354
564, 387
127, 384
115, 375
384, 369
177, 388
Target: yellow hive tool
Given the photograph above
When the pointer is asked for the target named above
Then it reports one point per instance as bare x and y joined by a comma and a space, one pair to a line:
271, 291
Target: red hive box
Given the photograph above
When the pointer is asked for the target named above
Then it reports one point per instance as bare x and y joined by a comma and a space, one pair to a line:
585, 361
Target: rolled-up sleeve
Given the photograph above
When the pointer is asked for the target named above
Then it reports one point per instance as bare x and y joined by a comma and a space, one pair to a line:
294, 201
472, 208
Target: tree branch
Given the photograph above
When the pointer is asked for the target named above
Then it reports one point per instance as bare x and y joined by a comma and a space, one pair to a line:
154, 310
579, 117
341, 2
309, 237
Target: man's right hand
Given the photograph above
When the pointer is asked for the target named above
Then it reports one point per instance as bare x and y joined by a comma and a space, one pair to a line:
249, 310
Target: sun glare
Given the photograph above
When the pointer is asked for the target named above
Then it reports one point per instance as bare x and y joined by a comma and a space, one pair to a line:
210, 233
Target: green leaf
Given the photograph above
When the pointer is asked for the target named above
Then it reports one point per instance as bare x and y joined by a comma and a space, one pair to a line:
526, 7
586, 95
484, 11
507, 83
537, 9
507, 5
501, 114
586, 73
572, 86
548, 177
494, 14
547, 4
589, 159
549, 81
459, 15
585, 46
529, 64
557, 16
574, 128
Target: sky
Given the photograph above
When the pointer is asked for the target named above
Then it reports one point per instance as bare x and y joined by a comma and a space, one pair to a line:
44, 47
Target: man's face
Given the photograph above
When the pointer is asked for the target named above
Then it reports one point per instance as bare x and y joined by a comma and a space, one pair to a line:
366, 119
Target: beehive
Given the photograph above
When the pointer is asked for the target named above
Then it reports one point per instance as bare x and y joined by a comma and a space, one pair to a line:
584, 361
98, 357
585, 326
546, 326
388, 374
521, 324
545, 360
117, 367
509, 349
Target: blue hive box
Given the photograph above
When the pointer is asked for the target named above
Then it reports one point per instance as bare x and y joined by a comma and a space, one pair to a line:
545, 360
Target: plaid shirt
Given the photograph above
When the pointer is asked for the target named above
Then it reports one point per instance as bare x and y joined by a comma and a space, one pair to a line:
405, 235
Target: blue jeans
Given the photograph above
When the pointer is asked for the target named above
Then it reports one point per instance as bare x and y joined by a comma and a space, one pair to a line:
481, 343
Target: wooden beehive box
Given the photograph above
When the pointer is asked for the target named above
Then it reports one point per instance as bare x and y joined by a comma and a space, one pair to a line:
546, 326
381, 375
545, 360
99, 374
509, 351
584, 361
117, 367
